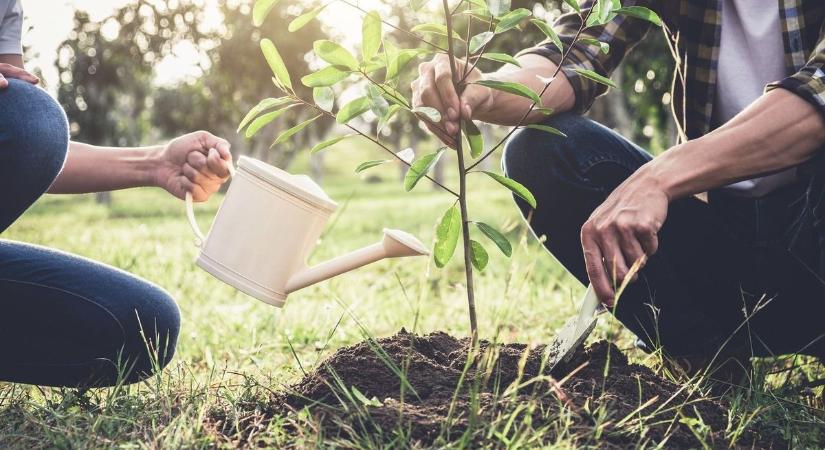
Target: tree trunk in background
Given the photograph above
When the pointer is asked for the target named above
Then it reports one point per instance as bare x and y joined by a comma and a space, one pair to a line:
316, 166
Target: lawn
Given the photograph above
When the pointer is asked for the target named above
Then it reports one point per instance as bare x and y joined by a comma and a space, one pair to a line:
234, 350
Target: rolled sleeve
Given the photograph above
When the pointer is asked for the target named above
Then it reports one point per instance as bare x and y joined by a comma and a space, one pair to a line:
622, 34
11, 30
808, 82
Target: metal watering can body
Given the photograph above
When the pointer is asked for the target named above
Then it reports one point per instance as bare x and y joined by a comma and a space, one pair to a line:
266, 228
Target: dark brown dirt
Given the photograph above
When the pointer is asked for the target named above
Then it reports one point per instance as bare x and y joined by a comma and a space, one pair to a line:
432, 410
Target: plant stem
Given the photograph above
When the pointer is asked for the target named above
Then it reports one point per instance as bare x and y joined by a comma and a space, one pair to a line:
462, 185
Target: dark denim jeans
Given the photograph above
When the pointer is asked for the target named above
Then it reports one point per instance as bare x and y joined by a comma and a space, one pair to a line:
718, 262
66, 320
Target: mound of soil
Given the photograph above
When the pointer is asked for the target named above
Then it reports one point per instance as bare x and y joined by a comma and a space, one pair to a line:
425, 386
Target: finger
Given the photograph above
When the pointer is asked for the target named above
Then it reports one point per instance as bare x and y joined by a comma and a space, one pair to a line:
4, 83
209, 140
596, 272
198, 194
632, 251
444, 137
197, 160
11, 71
216, 164
613, 259
446, 90
194, 175
649, 241
429, 92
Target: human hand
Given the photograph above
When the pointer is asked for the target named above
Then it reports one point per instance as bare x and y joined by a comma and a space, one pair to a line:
11, 71
195, 162
622, 232
434, 88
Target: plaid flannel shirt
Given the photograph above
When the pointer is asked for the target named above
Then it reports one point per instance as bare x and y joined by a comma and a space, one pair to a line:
693, 29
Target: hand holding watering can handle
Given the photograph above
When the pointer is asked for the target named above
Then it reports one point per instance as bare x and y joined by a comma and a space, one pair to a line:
190, 210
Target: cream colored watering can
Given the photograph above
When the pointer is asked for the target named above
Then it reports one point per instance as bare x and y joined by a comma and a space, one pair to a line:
267, 226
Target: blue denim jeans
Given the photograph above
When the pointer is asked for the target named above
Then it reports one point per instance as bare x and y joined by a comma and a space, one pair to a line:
718, 263
66, 320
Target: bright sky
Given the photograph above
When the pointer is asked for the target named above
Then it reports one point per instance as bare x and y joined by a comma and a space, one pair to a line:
51, 22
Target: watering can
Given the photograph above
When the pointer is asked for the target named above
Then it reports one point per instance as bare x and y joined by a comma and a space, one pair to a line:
267, 226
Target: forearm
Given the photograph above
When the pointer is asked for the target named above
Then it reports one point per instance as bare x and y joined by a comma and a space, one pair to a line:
777, 131
95, 169
508, 109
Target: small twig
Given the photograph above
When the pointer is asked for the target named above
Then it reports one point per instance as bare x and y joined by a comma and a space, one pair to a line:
372, 139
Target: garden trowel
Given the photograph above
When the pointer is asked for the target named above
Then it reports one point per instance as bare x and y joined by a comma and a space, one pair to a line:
575, 330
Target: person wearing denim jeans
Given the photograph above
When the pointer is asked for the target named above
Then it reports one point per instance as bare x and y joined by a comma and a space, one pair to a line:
737, 272
67, 320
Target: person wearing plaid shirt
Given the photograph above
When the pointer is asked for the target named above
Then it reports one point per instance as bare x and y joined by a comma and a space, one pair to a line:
736, 273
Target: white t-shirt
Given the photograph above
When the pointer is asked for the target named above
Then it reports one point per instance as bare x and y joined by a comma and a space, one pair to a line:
751, 55
11, 27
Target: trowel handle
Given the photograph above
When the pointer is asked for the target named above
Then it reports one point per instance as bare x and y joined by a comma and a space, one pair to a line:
190, 210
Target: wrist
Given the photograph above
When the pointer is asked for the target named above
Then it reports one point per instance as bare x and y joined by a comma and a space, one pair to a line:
152, 163
656, 176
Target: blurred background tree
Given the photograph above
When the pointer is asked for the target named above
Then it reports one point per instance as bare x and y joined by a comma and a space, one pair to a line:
107, 77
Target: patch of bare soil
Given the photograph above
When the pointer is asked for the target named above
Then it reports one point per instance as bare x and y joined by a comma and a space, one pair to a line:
444, 397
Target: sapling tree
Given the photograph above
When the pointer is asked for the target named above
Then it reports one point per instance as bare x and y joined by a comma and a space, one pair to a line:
375, 72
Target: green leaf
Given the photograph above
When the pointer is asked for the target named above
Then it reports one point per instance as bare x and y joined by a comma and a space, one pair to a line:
368, 164
589, 74
640, 12
363, 398
300, 21
434, 28
385, 120
261, 10
499, 239
446, 236
431, 114
547, 129
603, 46
502, 58
549, 32
419, 168
474, 138
353, 109
514, 186
264, 119
478, 255
263, 105
334, 54
370, 35
324, 97
325, 77
498, 7
328, 143
480, 40
378, 104
276, 63
574, 4
512, 19
292, 131
511, 87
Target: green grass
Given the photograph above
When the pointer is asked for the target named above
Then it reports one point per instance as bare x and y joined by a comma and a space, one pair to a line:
234, 349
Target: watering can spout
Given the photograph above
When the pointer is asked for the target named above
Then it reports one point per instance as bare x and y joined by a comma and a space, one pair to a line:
395, 244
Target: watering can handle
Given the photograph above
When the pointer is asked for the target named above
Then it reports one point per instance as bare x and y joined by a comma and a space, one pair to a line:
190, 211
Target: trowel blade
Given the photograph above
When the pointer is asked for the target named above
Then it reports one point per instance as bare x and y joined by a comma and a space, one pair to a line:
575, 331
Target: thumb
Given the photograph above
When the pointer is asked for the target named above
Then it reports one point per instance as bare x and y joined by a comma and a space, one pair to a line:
4, 83
473, 100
